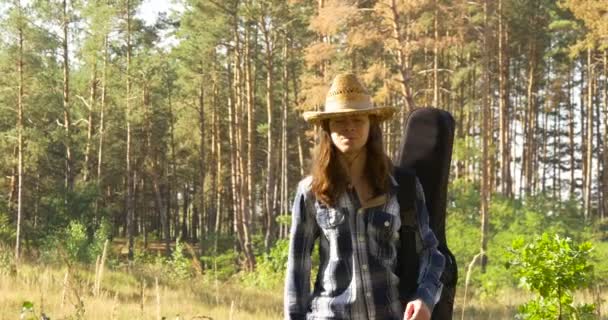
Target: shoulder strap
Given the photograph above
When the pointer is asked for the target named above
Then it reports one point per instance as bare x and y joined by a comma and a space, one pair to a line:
407, 263
406, 195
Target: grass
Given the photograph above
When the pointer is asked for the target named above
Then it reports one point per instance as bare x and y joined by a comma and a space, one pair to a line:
133, 295
122, 297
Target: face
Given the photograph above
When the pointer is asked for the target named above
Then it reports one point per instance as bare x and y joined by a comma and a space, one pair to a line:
349, 134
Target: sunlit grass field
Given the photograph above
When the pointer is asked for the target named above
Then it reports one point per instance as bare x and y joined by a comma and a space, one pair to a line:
131, 295
127, 296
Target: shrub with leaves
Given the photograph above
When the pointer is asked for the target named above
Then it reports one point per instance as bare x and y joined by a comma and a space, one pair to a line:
180, 265
552, 267
221, 266
271, 267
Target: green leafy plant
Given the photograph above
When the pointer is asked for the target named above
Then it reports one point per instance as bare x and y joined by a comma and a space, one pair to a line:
180, 266
552, 267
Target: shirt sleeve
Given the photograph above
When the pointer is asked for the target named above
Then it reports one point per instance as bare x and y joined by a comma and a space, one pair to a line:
432, 262
304, 231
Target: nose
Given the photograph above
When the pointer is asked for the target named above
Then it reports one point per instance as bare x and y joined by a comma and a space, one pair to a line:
350, 125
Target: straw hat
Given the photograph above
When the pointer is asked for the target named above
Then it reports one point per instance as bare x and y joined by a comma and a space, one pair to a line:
348, 96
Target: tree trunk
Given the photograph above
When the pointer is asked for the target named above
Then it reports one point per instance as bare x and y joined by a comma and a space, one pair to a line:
402, 58
270, 166
605, 139
436, 55
589, 142
544, 158
571, 142
218, 174
101, 133
202, 166
67, 122
485, 132
19, 135
503, 106
284, 160
129, 194
530, 127
251, 143
235, 100
91, 106
186, 207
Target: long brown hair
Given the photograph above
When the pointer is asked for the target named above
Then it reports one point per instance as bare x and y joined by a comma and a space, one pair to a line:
329, 179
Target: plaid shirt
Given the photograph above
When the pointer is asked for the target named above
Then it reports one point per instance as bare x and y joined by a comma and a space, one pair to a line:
356, 278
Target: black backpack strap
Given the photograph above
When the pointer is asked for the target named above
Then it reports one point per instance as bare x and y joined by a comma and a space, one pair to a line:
407, 253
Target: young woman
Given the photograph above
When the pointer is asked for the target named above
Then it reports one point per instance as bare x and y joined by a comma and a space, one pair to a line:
349, 203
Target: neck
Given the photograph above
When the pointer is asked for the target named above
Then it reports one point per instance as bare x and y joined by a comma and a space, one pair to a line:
354, 164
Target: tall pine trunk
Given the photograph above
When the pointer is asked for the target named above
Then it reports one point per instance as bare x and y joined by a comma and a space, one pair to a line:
67, 122
485, 136
91, 107
202, 158
102, 109
130, 211
20, 96
605, 139
270, 167
503, 105
587, 178
251, 143
530, 124
571, 124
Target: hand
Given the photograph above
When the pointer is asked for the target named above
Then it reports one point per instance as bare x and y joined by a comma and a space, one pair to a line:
417, 310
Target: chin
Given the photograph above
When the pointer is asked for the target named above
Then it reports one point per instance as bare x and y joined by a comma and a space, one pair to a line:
350, 148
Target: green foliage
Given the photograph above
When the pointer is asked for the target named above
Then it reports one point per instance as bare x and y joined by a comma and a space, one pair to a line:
7, 231
284, 220
72, 243
76, 241
552, 267
180, 266
271, 266
27, 311
222, 266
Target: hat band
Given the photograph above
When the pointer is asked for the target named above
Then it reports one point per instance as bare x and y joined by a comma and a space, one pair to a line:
351, 103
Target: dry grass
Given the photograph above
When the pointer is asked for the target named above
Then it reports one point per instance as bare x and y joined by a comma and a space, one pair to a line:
121, 297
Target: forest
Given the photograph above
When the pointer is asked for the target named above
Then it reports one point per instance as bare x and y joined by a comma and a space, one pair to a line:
168, 151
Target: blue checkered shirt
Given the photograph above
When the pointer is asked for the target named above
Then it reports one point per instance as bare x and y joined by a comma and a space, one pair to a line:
357, 250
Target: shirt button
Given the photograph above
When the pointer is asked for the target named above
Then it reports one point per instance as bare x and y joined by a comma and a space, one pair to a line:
369, 295
386, 223
364, 267
360, 211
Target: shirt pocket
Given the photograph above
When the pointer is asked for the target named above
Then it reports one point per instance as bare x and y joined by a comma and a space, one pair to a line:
383, 234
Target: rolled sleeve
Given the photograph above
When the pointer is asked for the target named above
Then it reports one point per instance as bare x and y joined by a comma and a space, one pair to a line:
432, 262
304, 231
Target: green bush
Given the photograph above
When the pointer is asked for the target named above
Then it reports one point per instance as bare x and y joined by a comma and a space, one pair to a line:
73, 244
271, 266
180, 266
552, 267
221, 266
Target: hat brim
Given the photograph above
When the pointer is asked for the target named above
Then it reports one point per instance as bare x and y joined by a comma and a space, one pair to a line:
382, 113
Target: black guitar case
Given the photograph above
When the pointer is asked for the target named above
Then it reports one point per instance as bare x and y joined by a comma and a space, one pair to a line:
426, 149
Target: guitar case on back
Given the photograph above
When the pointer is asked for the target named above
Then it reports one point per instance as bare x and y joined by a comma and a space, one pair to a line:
426, 150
